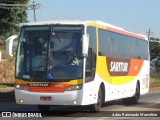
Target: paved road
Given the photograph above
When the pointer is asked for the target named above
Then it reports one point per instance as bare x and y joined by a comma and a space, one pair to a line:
148, 105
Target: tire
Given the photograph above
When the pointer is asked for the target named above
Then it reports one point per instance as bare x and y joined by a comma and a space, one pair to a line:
135, 98
43, 108
96, 107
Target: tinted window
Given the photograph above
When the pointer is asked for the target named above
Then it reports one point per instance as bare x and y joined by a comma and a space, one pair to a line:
121, 46
91, 59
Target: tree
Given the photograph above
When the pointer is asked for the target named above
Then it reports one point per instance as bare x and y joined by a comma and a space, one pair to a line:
157, 66
11, 17
155, 56
154, 50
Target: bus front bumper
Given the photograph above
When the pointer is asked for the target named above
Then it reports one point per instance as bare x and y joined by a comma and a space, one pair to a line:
40, 98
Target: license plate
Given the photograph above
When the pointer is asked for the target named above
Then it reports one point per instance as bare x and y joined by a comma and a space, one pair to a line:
45, 98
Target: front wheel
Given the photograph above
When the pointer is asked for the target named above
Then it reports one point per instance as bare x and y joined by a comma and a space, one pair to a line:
97, 106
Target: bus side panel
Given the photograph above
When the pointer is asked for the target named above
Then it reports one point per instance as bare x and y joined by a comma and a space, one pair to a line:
117, 87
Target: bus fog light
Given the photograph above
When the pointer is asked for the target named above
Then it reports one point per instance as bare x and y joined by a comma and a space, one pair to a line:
21, 101
74, 102
17, 86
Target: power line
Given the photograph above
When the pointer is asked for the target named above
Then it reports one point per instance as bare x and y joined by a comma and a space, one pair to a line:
7, 1
11, 8
13, 5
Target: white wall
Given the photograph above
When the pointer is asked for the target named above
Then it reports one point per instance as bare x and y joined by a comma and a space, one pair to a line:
9, 44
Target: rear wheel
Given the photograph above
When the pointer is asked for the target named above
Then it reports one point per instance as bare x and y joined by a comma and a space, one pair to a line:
135, 98
43, 107
96, 107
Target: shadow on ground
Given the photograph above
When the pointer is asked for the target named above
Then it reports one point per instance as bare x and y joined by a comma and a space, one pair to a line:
7, 96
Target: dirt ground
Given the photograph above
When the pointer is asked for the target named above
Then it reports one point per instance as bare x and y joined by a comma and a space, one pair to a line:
154, 89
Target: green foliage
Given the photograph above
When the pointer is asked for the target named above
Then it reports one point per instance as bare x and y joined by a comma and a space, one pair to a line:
155, 57
11, 18
154, 50
157, 66
7, 84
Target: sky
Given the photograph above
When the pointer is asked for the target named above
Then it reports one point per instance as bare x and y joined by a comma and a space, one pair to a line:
136, 16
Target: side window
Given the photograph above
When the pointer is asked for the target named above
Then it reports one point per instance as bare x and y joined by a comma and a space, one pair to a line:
117, 45
91, 59
146, 57
144, 49
105, 43
132, 48
113, 43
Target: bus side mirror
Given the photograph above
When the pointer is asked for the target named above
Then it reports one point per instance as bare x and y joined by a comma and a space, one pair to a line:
85, 45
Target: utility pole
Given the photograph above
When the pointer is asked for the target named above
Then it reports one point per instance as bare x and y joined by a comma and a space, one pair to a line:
149, 34
34, 7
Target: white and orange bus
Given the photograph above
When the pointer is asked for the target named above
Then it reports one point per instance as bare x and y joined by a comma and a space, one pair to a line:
82, 63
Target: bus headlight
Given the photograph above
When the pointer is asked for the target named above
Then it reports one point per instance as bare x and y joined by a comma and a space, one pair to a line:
21, 87
74, 87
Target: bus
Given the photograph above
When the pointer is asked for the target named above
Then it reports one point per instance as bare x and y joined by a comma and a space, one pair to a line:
80, 63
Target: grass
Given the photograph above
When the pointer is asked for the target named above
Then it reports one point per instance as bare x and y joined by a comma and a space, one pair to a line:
155, 84
7, 84
3, 86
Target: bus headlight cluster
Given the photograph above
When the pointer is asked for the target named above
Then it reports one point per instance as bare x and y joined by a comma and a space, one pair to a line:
21, 87
74, 87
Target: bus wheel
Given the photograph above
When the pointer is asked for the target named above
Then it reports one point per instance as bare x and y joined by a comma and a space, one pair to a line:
96, 107
43, 107
134, 99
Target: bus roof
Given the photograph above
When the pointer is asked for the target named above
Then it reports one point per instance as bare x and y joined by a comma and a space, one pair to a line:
108, 26
75, 22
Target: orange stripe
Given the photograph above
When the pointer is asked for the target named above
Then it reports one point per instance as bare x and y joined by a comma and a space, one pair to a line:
125, 33
52, 88
135, 67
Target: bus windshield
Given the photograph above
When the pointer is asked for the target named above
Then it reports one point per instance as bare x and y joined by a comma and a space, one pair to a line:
50, 53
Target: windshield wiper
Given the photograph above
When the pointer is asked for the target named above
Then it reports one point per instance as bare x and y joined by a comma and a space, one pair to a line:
37, 68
